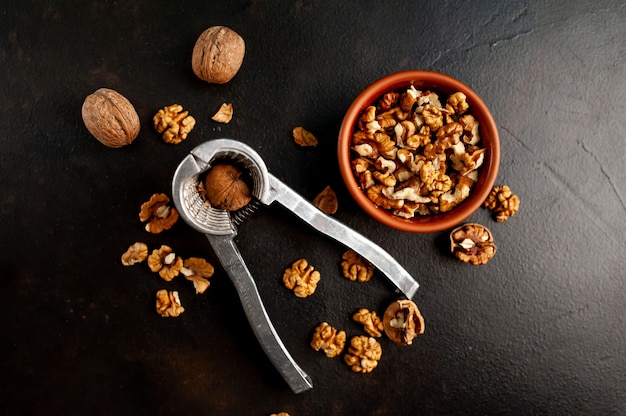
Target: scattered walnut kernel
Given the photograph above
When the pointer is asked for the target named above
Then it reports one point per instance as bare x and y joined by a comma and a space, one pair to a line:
363, 354
302, 278
412, 156
328, 339
225, 189
502, 202
403, 322
355, 267
164, 261
197, 270
224, 114
326, 201
168, 304
280, 414
173, 123
218, 54
472, 243
303, 137
372, 324
136, 253
159, 215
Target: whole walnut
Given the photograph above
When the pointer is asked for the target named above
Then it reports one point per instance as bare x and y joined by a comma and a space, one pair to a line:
225, 189
110, 118
218, 55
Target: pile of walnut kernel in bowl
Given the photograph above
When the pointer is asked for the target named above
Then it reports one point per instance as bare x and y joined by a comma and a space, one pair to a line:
415, 155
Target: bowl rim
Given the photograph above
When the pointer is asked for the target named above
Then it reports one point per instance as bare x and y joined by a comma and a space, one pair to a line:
440, 83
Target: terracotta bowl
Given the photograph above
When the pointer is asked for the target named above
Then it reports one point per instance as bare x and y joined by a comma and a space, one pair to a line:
444, 85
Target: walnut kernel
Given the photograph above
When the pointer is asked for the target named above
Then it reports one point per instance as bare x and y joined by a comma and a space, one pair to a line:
110, 118
472, 243
372, 324
355, 267
225, 189
363, 354
218, 54
327, 339
402, 322
164, 261
502, 202
168, 304
302, 278
197, 270
136, 253
173, 123
158, 214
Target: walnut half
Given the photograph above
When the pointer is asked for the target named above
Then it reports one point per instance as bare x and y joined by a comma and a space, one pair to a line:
472, 243
403, 322
328, 340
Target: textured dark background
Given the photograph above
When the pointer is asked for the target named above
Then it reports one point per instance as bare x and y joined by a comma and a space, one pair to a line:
537, 331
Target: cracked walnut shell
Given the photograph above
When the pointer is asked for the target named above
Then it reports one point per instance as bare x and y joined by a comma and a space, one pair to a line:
198, 270
327, 339
302, 278
326, 201
164, 261
303, 137
372, 324
363, 354
403, 322
110, 118
173, 123
136, 253
472, 243
158, 214
225, 189
355, 267
218, 54
168, 304
224, 114
502, 202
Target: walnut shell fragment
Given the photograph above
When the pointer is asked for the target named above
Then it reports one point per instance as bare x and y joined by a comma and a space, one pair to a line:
403, 321
218, 54
303, 137
326, 201
225, 189
224, 114
110, 118
472, 243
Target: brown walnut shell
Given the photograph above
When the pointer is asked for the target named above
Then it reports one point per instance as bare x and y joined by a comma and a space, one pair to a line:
218, 55
110, 118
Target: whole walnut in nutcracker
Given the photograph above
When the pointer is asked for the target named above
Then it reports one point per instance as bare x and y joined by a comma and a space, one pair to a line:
218, 55
110, 118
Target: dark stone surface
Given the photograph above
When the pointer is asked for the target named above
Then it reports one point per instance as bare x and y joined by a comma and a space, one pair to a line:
539, 330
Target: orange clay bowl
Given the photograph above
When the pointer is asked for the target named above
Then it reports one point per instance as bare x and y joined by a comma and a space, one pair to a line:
443, 85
